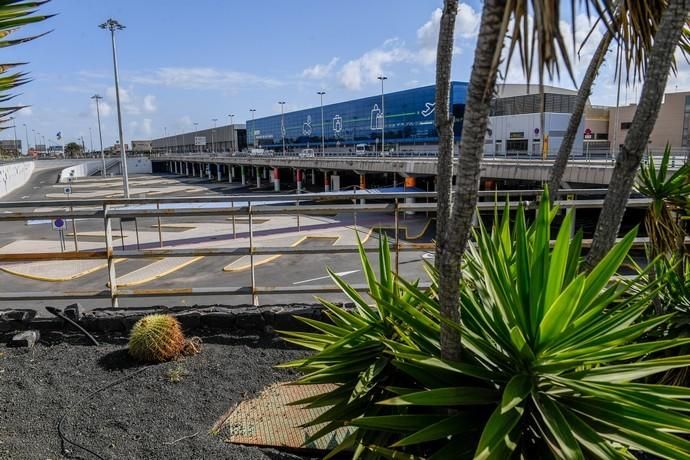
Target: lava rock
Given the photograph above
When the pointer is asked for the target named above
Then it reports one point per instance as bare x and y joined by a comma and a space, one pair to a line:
26, 339
73, 312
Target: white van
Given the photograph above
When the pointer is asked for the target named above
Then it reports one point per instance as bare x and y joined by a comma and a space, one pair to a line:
361, 149
307, 153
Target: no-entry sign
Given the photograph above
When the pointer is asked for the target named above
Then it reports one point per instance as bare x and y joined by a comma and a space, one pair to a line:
58, 224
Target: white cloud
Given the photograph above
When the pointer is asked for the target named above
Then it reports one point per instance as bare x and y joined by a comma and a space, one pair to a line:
146, 127
320, 70
105, 109
150, 103
201, 78
369, 66
466, 26
124, 94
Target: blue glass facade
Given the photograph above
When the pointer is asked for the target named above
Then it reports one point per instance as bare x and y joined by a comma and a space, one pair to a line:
409, 119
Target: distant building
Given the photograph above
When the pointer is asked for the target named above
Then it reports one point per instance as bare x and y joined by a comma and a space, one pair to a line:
227, 138
613, 124
141, 146
11, 147
514, 126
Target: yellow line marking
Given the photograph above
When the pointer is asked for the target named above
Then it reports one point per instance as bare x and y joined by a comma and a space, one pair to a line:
230, 268
158, 275
57, 280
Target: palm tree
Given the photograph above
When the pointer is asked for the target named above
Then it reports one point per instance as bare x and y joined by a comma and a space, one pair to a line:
541, 36
13, 15
444, 178
670, 29
583, 93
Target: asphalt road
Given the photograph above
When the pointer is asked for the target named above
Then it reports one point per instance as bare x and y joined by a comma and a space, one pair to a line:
291, 270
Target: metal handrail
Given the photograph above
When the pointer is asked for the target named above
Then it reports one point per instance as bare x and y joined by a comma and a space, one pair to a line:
113, 209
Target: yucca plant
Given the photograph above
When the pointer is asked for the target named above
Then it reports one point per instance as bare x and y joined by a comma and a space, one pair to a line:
15, 14
557, 351
349, 352
669, 194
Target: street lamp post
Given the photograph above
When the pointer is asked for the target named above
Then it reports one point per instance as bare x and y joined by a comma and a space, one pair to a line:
14, 127
253, 128
232, 132
91, 140
112, 25
195, 129
165, 136
26, 133
282, 123
213, 131
383, 115
35, 144
97, 98
323, 142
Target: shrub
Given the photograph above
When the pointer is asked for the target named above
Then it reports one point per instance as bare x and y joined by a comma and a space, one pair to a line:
156, 338
350, 352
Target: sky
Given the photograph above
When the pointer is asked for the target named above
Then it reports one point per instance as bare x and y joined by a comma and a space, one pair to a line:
185, 62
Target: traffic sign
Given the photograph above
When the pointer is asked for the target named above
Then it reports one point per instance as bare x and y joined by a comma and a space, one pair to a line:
58, 224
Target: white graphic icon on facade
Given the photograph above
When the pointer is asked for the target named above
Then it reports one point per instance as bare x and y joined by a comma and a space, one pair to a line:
306, 127
430, 108
376, 118
337, 124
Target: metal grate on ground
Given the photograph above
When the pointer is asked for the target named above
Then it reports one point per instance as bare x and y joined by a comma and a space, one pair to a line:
269, 420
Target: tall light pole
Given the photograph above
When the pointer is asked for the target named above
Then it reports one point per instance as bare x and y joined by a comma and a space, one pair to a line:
91, 140
112, 25
253, 128
195, 129
34, 131
232, 132
14, 127
26, 133
383, 115
165, 136
213, 131
282, 123
97, 98
323, 142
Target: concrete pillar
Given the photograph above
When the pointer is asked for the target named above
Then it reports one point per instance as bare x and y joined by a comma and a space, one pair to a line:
219, 169
210, 173
265, 173
410, 182
326, 183
231, 173
335, 183
362, 181
298, 179
276, 179
186, 168
258, 178
244, 179
313, 177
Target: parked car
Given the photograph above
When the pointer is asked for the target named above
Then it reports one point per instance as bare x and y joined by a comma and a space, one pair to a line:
307, 153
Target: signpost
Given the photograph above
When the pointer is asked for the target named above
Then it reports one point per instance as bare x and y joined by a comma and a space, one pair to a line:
68, 192
59, 225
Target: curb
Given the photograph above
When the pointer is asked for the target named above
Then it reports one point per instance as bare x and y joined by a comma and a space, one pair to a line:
239, 319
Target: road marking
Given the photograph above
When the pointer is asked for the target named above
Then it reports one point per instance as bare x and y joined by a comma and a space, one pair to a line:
327, 276
25, 197
428, 256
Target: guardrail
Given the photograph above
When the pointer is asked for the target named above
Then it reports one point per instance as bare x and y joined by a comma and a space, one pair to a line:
237, 206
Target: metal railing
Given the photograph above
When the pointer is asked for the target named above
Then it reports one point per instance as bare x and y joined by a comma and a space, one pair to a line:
238, 206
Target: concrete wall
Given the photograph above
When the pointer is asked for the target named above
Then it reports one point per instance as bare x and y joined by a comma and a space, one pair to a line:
14, 175
88, 168
528, 127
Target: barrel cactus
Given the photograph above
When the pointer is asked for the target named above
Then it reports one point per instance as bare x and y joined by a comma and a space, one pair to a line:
156, 338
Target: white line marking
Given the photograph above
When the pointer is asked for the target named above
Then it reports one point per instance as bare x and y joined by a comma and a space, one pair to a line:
25, 197
324, 277
428, 256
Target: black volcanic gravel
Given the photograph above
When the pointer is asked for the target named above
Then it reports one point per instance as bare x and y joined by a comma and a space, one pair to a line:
142, 416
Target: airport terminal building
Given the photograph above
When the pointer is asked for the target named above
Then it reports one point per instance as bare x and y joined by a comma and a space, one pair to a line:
408, 122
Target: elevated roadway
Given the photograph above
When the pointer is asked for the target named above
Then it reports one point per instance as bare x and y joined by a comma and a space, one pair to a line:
591, 171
